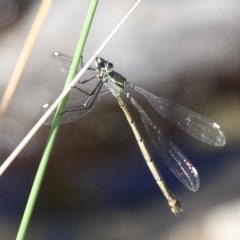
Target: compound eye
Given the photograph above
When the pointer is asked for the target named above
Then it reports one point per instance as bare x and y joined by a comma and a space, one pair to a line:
109, 66
100, 62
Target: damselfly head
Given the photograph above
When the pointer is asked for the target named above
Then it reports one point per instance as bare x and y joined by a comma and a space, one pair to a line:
103, 65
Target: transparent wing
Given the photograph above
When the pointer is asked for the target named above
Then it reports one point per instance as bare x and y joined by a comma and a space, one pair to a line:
194, 124
63, 61
177, 162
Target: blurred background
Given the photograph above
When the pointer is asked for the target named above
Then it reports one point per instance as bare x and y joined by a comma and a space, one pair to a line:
97, 185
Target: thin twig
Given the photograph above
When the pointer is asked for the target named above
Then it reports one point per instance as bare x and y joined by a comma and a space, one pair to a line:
24, 56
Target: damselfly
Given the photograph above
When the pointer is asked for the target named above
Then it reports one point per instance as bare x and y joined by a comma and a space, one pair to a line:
102, 79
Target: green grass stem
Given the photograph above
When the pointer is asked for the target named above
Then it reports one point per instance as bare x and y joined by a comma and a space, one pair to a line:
55, 126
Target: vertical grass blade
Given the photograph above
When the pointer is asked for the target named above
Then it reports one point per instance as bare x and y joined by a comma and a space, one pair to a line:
54, 129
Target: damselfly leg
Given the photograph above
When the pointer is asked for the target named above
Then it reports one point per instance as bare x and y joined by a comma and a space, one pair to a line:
84, 96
